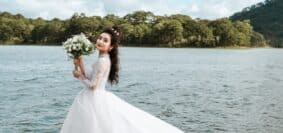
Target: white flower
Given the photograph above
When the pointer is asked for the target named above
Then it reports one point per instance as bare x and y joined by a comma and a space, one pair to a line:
75, 39
78, 43
73, 47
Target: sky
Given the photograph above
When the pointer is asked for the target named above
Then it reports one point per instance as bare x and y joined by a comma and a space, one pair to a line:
63, 9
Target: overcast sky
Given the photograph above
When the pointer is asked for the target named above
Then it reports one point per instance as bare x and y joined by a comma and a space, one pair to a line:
48, 9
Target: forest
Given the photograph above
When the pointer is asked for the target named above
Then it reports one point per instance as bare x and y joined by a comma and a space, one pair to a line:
139, 28
266, 18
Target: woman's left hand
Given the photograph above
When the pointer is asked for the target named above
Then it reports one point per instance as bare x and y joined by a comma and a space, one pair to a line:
77, 73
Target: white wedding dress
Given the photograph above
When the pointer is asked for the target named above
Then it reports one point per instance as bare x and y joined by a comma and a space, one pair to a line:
101, 111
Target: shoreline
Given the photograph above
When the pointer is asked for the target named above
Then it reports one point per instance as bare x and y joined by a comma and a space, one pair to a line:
227, 47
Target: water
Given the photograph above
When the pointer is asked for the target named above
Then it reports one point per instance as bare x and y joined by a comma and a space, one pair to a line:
197, 90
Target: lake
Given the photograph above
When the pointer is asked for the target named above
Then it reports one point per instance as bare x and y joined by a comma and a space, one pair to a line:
197, 90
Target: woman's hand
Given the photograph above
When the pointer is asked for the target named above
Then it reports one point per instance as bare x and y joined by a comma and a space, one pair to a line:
77, 61
77, 73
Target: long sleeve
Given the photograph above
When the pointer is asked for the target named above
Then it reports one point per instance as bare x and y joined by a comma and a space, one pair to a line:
88, 73
96, 75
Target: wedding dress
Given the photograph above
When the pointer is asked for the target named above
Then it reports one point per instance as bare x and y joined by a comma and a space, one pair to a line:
101, 111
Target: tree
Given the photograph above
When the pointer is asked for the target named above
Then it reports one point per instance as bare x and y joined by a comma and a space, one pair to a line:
257, 40
82, 24
14, 29
128, 32
140, 17
198, 34
224, 31
138, 28
170, 32
6, 32
140, 31
244, 32
266, 18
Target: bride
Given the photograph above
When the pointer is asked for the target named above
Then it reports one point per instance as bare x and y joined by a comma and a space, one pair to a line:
96, 110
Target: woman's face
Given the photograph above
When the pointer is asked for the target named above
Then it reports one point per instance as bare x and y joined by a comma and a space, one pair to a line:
103, 42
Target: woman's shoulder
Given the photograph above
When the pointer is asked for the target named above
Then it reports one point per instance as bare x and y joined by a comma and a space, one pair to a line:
103, 60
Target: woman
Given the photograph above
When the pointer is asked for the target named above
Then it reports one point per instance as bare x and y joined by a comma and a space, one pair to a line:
96, 110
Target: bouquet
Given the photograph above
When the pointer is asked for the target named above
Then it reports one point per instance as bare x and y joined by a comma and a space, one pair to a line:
78, 45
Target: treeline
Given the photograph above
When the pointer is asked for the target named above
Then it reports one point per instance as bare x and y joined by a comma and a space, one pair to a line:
266, 18
139, 28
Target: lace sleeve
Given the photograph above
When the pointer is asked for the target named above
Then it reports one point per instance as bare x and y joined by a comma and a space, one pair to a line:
88, 73
96, 75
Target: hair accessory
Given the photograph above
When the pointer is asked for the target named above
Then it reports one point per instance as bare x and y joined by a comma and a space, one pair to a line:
115, 31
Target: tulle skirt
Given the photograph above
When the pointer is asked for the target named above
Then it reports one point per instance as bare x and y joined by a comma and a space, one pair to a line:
101, 111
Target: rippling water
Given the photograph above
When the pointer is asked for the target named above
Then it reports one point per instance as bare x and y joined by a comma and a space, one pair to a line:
197, 90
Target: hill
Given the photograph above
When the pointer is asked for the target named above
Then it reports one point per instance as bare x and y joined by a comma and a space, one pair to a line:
266, 18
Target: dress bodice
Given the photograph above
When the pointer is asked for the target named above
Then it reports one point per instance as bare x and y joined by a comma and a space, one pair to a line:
98, 76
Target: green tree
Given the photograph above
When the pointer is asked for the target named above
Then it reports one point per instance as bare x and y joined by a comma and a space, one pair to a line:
14, 29
140, 17
224, 32
140, 31
257, 40
198, 34
6, 32
138, 28
128, 32
82, 24
170, 32
266, 18
244, 32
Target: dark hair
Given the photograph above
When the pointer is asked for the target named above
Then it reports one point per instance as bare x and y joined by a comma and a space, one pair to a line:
115, 34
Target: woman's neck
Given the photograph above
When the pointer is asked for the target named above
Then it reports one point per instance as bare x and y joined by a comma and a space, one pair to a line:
103, 53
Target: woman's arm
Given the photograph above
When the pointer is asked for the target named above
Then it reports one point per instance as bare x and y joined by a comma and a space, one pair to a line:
76, 72
81, 65
97, 77
76, 64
